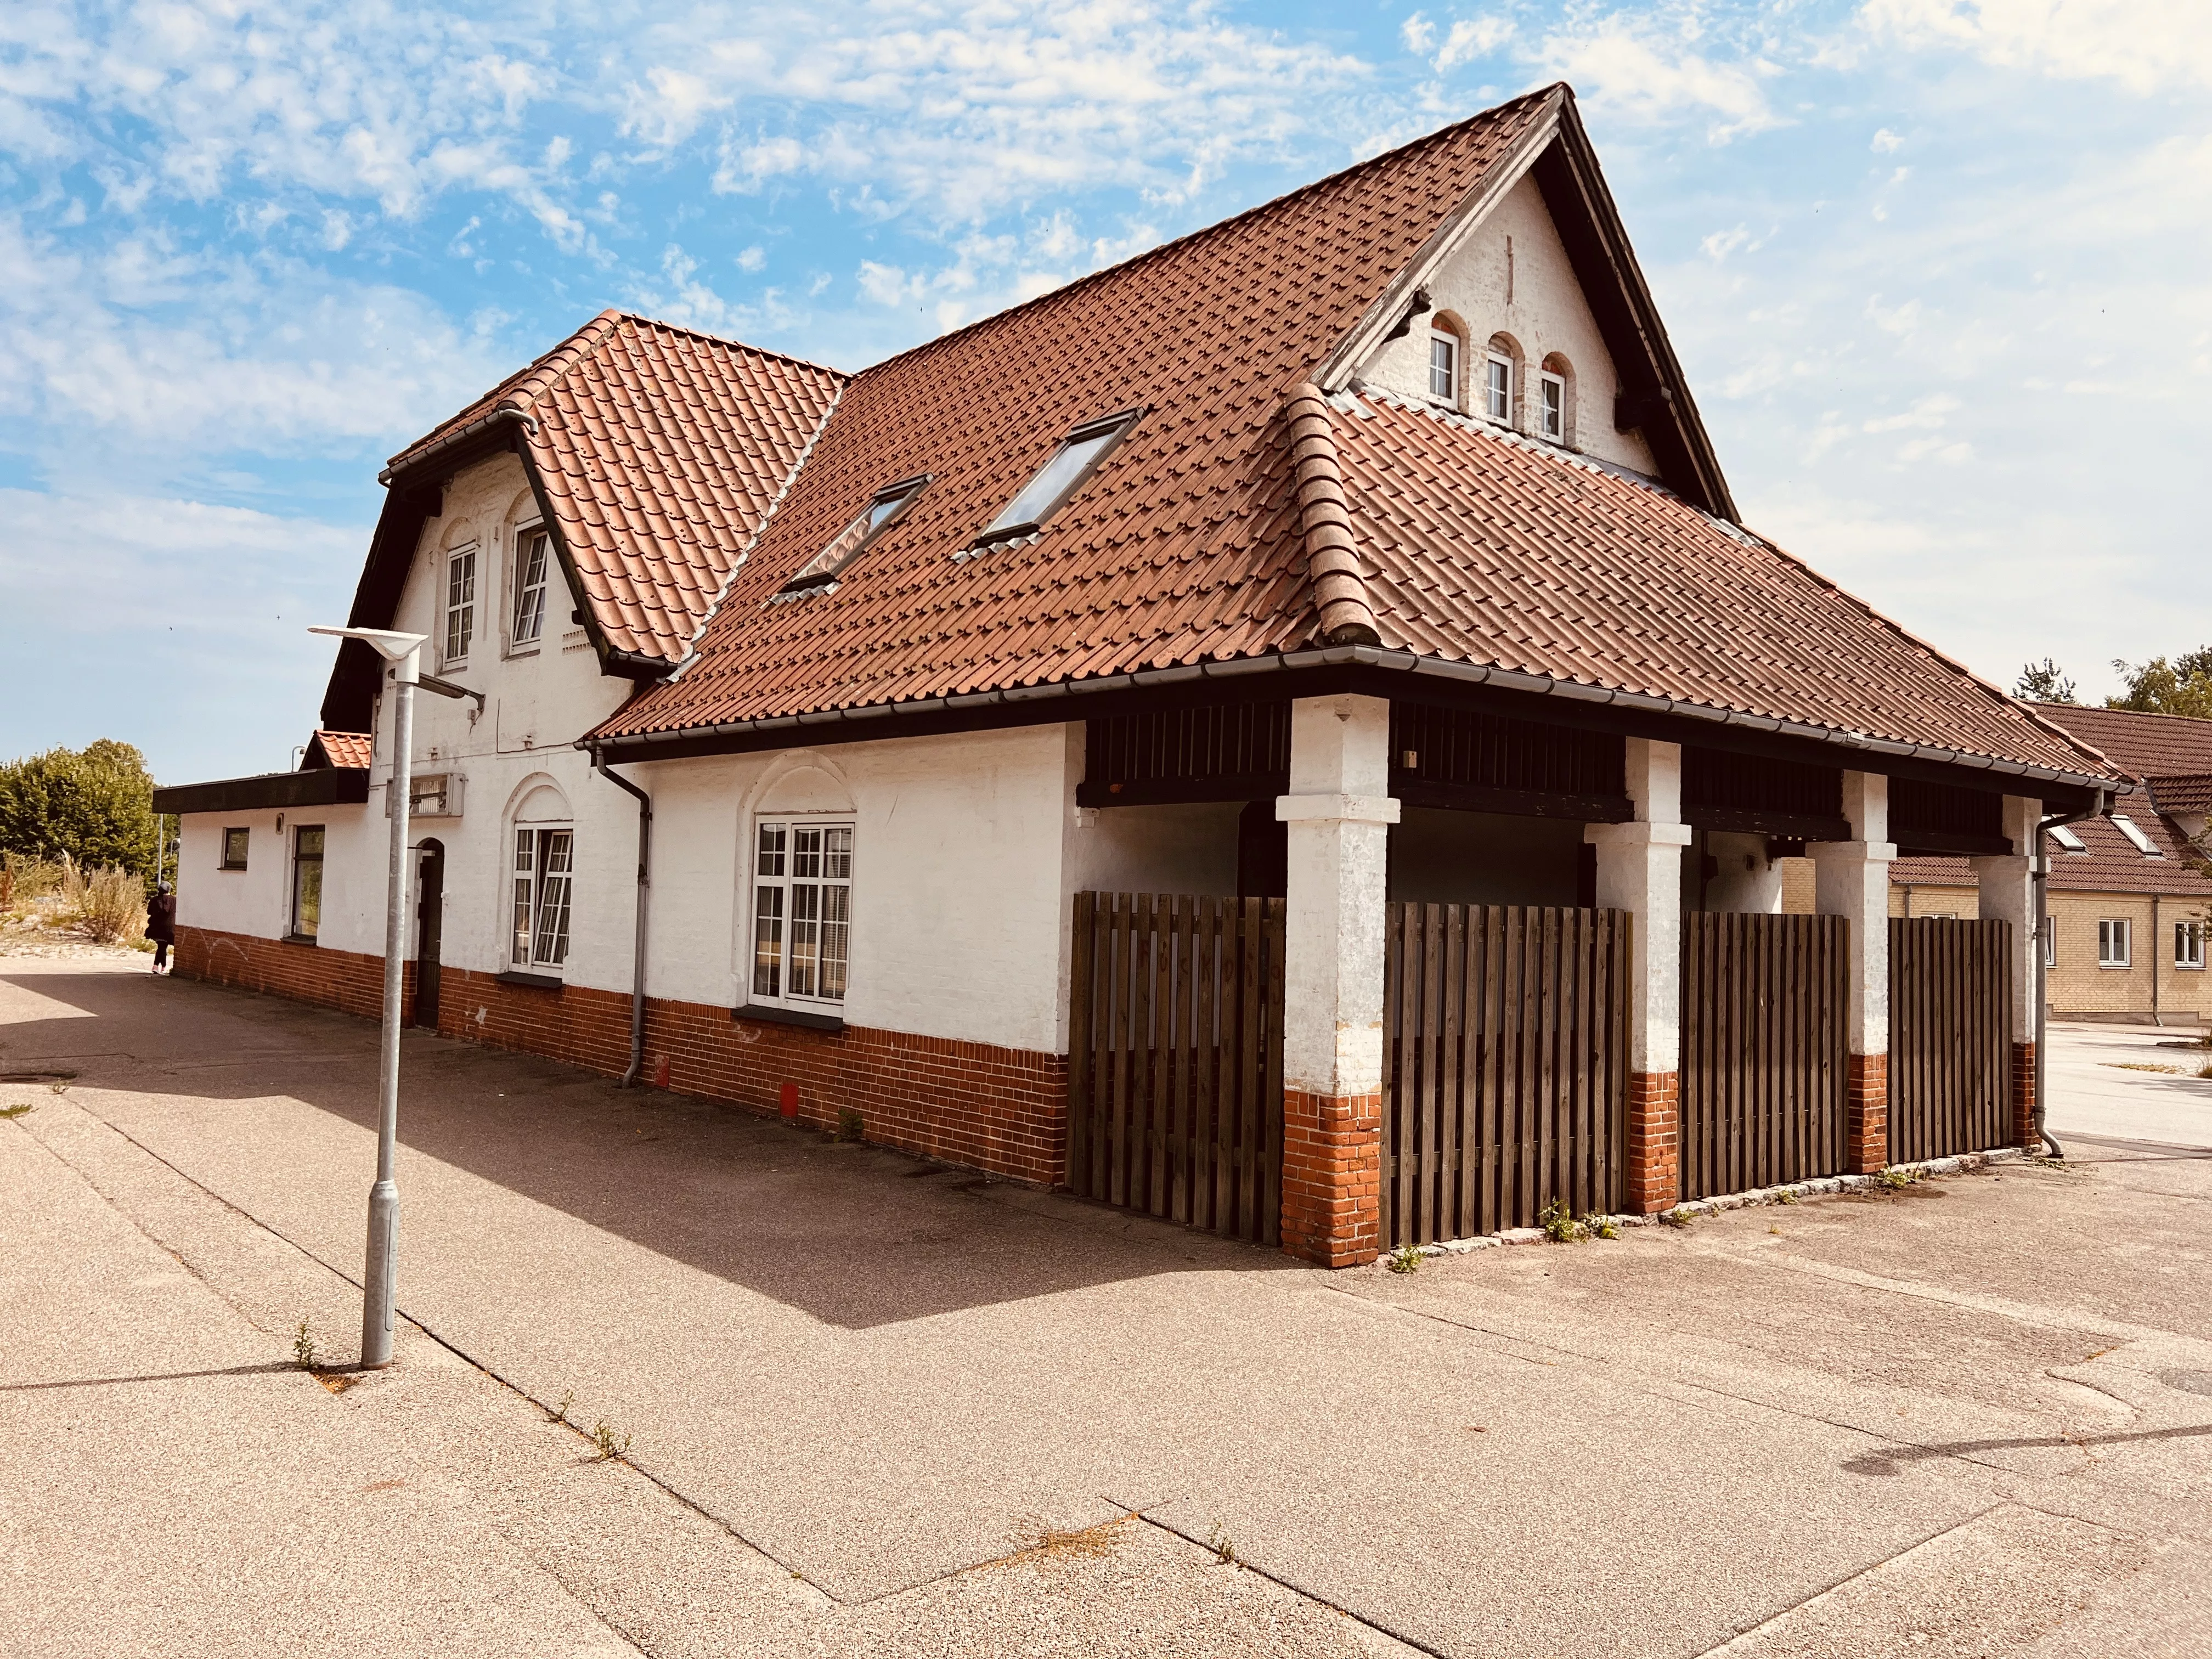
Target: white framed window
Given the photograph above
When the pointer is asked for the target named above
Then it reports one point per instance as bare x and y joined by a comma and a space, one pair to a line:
1552, 412
802, 911
460, 605
2142, 843
2188, 945
1443, 365
2113, 942
2049, 941
544, 876
533, 551
2068, 840
1497, 388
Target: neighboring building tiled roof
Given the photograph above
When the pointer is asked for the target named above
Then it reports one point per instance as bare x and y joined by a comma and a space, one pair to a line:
1502, 551
2140, 744
1184, 545
341, 747
2111, 865
2191, 793
659, 452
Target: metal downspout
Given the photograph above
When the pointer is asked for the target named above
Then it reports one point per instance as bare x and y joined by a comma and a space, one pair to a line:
2042, 954
644, 885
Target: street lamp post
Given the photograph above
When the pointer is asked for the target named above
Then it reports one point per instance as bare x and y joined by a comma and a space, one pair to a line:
402, 653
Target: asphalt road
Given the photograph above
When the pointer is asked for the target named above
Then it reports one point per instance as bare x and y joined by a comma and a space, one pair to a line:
871, 1405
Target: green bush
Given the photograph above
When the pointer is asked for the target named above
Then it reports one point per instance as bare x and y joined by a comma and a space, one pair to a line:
95, 804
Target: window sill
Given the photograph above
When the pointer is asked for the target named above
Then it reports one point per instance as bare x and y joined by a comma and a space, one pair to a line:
787, 1016
235, 869
299, 938
530, 981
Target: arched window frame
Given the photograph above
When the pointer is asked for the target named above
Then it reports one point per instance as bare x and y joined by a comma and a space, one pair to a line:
1556, 372
1445, 328
1503, 348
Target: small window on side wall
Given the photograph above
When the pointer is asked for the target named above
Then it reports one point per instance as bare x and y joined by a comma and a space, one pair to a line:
306, 882
2112, 942
802, 911
460, 606
2188, 945
2049, 941
1079, 454
1444, 366
234, 848
544, 864
1497, 388
531, 552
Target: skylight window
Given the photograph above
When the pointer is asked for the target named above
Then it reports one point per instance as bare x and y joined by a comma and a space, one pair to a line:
2137, 839
878, 516
1070, 463
2067, 839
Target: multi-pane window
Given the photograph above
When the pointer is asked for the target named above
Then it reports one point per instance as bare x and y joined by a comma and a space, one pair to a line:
530, 588
2112, 942
460, 605
802, 911
234, 848
1555, 410
2049, 941
544, 860
2188, 945
1443, 365
1497, 388
306, 881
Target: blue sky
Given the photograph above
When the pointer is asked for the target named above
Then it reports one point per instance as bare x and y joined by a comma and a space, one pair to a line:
1936, 269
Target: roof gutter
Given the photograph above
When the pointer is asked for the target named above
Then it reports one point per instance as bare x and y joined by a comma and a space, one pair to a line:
1362, 656
458, 438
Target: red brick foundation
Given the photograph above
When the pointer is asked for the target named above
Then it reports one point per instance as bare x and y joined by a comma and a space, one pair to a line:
1333, 1177
1655, 1142
1866, 1115
1004, 1110
2023, 1096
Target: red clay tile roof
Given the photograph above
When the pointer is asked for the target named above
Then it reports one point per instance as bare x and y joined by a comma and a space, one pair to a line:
1498, 550
1184, 545
2140, 744
342, 749
2111, 864
2189, 793
659, 452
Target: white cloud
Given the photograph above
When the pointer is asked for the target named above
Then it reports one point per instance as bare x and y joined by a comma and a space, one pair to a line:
1652, 68
1929, 412
2147, 46
1885, 141
751, 260
1472, 38
1418, 32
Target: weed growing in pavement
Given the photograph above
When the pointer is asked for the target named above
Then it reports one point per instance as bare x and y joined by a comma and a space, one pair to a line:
1223, 1551
848, 1124
1559, 1224
1785, 1198
1085, 1544
17, 1109
610, 1445
303, 1347
61, 1088
2204, 1070
1675, 1218
1406, 1258
2139, 1065
1897, 1179
1602, 1226
560, 1412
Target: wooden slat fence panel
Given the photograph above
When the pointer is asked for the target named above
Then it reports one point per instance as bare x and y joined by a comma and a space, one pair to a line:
1763, 1070
1950, 1036
1175, 1088
1505, 1067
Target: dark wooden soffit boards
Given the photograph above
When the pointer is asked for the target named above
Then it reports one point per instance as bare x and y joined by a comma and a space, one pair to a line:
326, 786
1653, 387
414, 495
1326, 680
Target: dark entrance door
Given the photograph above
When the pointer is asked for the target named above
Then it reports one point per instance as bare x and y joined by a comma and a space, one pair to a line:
430, 919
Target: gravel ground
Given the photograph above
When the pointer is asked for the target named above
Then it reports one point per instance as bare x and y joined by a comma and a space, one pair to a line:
880, 1407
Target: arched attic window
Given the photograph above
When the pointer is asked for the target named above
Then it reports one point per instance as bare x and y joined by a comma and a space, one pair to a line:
1448, 356
1502, 371
1555, 399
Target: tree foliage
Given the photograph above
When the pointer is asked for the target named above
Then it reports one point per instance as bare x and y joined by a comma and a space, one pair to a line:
2044, 682
2183, 686
95, 804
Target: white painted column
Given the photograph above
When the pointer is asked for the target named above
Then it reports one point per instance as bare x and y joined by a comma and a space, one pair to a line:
2008, 894
1640, 870
1851, 880
1339, 812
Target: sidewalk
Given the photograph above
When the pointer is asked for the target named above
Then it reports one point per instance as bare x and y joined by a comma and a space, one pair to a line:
853, 1380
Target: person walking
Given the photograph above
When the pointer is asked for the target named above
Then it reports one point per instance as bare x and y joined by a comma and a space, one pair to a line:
161, 925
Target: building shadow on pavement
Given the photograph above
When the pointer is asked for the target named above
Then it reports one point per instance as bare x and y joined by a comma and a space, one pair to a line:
856, 1236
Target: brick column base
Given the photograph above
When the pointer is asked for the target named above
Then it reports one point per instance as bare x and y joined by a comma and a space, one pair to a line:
1866, 1115
1332, 1177
2023, 1096
1655, 1142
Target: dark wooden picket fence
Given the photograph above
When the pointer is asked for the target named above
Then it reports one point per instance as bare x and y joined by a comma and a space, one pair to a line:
1950, 1037
1764, 1073
1505, 1067
1174, 1096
